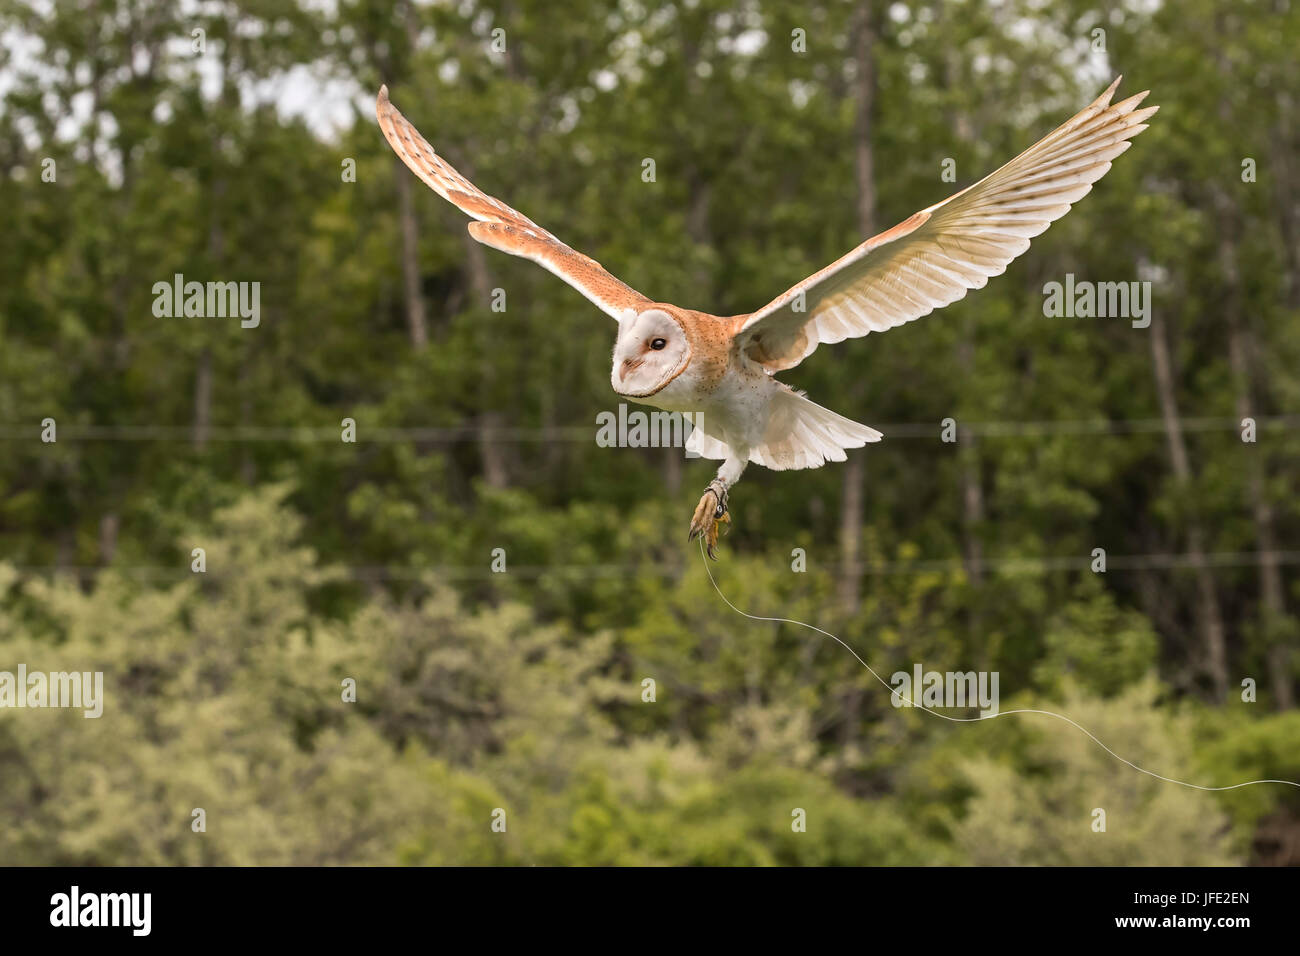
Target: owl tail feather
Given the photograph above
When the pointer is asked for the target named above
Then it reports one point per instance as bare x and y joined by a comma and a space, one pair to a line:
802, 434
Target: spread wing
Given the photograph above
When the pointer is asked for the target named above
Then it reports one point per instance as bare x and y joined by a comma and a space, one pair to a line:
497, 224
934, 257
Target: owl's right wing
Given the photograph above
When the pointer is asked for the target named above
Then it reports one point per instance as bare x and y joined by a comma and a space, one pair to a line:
498, 225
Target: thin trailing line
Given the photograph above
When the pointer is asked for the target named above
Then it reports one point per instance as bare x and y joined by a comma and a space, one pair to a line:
966, 720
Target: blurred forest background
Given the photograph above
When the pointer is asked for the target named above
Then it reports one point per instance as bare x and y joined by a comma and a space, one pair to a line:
476, 430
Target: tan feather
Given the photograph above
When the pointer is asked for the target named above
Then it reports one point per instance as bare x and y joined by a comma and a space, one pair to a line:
500, 226
936, 256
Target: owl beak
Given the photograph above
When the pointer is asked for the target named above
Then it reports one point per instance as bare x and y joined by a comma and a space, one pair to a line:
629, 365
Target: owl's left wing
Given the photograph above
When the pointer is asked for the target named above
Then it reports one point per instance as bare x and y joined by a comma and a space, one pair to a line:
497, 224
937, 255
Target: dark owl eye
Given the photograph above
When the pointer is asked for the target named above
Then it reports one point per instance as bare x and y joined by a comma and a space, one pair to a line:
658, 344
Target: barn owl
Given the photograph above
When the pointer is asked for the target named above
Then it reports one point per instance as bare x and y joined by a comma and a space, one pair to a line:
721, 368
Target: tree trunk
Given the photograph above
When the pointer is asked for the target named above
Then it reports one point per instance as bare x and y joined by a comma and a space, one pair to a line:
1271, 595
1215, 663
247, 469
851, 504
495, 471
851, 509
228, 98
1241, 348
108, 527
414, 298
203, 398
1286, 195
972, 489
673, 469
968, 472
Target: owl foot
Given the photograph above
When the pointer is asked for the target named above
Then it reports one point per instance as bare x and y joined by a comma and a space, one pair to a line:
710, 515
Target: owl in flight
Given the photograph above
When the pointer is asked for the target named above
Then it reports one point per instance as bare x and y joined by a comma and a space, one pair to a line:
722, 368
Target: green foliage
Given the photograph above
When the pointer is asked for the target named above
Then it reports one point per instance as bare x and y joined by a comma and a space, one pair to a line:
1043, 793
522, 690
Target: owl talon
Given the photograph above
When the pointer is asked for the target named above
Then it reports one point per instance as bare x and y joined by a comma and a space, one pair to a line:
710, 515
